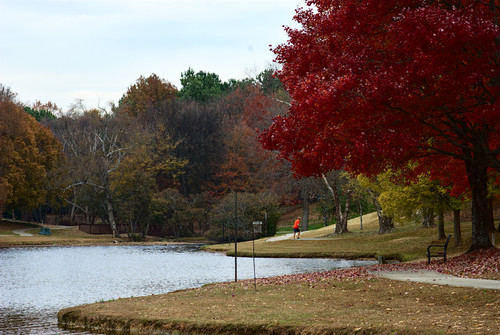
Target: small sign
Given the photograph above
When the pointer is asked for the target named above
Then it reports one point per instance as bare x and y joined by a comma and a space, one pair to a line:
257, 227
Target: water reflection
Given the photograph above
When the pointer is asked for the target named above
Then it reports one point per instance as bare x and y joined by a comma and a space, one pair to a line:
35, 283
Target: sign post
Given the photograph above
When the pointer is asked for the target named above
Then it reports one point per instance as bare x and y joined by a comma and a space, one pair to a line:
257, 229
235, 237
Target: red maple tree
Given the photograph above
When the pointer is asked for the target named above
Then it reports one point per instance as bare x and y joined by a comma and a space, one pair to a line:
381, 83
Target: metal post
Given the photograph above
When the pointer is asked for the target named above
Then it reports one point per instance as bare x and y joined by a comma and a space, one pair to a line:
235, 237
253, 255
265, 221
256, 228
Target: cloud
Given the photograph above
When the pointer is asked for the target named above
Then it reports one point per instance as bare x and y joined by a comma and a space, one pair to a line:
60, 50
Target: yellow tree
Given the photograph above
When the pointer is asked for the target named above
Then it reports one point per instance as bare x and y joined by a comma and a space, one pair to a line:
414, 201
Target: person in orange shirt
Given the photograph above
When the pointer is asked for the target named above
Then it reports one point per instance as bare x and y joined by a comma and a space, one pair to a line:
296, 228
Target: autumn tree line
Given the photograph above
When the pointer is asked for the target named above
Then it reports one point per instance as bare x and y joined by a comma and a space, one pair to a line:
185, 160
161, 156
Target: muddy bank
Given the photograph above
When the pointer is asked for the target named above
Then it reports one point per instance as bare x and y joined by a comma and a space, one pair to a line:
77, 319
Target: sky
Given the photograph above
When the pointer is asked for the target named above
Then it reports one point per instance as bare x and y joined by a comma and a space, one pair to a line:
64, 50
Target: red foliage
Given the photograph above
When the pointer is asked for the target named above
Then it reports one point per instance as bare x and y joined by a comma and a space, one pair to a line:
378, 82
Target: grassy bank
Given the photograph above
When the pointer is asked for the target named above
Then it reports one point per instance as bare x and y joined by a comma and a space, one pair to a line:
407, 243
348, 301
62, 237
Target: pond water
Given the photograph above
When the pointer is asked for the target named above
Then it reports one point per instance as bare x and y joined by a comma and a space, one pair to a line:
35, 283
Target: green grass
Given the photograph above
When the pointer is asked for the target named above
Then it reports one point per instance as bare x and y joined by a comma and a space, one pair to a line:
406, 243
7, 226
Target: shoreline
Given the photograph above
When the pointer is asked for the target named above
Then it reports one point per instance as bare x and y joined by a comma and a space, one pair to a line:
343, 301
94, 244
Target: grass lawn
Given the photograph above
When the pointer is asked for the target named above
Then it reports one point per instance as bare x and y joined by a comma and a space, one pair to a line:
69, 236
407, 243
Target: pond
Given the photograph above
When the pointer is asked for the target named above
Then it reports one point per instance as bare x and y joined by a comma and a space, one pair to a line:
35, 283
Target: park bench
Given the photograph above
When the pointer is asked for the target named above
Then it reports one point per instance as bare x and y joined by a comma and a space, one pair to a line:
45, 231
439, 253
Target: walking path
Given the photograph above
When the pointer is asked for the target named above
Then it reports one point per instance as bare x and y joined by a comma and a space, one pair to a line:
422, 276
280, 238
290, 236
433, 277
22, 232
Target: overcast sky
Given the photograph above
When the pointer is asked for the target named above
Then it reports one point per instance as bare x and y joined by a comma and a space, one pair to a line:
62, 50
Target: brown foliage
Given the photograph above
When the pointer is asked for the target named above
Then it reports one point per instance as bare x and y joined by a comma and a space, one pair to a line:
28, 151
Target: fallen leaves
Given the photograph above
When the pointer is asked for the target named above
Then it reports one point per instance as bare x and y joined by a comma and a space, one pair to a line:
478, 264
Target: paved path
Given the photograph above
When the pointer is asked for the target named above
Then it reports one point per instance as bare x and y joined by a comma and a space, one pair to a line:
22, 232
422, 276
290, 236
433, 277
280, 238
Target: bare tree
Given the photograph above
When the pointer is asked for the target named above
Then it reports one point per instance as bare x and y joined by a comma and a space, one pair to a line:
95, 144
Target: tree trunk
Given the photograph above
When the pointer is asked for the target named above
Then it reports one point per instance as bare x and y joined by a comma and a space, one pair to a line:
478, 181
385, 224
305, 206
87, 215
340, 226
326, 216
360, 216
146, 229
73, 206
457, 232
428, 213
441, 233
490, 221
111, 217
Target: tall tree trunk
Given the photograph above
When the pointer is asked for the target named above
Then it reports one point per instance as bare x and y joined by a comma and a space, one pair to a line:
111, 217
305, 206
428, 213
73, 206
360, 216
441, 233
478, 181
326, 215
490, 221
88, 218
146, 229
385, 224
457, 232
340, 227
